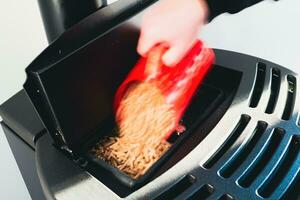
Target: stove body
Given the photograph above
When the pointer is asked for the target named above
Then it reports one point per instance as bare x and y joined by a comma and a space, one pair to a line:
247, 148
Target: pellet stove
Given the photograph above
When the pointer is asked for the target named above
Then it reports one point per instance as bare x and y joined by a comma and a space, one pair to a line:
242, 139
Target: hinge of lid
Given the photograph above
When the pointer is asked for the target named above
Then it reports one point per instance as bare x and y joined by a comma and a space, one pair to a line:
62, 142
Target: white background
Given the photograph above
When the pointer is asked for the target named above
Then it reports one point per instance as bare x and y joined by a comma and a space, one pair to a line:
268, 30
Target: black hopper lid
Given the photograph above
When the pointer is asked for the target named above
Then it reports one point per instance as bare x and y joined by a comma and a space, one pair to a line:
72, 82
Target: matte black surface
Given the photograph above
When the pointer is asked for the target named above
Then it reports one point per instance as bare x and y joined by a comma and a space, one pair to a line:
25, 158
19, 115
59, 15
56, 171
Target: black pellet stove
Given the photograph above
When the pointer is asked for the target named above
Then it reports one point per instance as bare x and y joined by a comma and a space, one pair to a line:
242, 139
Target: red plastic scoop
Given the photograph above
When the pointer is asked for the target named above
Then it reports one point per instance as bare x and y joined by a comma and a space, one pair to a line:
178, 84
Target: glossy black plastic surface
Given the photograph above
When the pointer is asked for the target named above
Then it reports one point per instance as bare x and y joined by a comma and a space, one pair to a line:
74, 80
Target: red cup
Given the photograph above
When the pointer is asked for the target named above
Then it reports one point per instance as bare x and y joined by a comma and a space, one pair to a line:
178, 84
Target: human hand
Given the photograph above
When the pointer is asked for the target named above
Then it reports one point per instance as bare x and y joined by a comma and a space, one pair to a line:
174, 23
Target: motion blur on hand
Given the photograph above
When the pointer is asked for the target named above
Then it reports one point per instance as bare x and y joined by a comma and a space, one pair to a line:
174, 23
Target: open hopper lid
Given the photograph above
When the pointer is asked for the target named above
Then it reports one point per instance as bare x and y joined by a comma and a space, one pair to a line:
72, 83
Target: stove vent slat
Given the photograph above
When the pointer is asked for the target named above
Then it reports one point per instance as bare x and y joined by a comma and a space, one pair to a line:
202, 193
275, 87
237, 131
259, 164
293, 190
178, 188
290, 102
243, 154
282, 170
226, 197
258, 85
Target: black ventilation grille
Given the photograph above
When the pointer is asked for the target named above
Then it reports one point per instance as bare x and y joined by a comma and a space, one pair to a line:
189, 188
290, 101
258, 85
260, 158
243, 154
275, 87
269, 158
226, 197
202, 193
277, 177
293, 190
178, 188
237, 131
260, 163
275, 170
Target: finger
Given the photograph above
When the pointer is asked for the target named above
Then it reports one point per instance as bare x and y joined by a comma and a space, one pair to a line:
174, 55
145, 43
